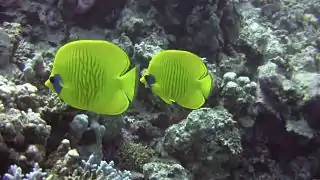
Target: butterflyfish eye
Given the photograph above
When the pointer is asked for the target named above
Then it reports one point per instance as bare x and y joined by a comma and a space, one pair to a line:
150, 79
52, 79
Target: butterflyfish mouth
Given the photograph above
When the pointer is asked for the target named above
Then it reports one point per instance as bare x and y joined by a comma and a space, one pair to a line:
144, 82
48, 84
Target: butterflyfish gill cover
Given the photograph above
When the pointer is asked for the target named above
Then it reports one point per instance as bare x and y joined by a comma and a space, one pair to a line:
94, 75
180, 77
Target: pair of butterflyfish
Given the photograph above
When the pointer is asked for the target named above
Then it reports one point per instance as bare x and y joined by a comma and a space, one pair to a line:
96, 76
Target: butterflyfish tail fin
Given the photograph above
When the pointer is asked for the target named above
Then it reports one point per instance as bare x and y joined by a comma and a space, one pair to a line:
206, 85
129, 82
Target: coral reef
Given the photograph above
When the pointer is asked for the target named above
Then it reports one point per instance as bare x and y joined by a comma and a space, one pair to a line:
156, 170
205, 140
134, 156
71, 165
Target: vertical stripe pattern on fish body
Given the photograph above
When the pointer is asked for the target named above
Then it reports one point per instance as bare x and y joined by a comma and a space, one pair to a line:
90, 82
175, 77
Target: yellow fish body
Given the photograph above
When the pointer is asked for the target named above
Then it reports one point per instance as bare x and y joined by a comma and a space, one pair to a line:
180, 77
93, 75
